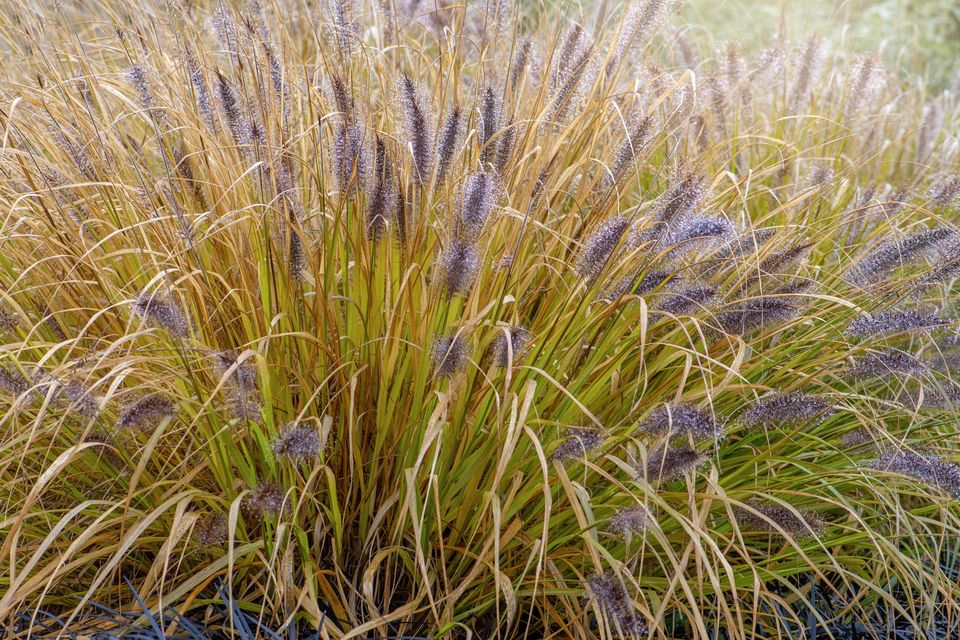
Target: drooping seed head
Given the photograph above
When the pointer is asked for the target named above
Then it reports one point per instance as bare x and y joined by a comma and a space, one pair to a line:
298, 443
245, 404
925, 467
894, 322
687, 300
147, 412
681, 418
897, 253
757, 313
695, 232
80, 399
631, 520
245, 373
12, 382
577, 444
9, 321
266, 499
511, 347
212, 530
885, 363
669, 463
449, 355
599, 247
107, 449
858, 440
160, 310
777, 518
612, 600
786, 410
460, 264
945, 193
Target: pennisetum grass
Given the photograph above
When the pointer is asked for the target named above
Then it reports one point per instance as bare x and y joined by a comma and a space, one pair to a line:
405, 318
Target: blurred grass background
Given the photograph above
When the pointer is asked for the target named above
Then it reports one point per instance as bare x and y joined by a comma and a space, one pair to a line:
921, 37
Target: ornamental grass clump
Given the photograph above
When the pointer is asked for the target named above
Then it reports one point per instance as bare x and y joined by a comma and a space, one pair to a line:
390, 316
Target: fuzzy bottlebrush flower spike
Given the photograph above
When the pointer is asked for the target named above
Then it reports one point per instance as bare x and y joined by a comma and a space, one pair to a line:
599, 247
460, 264
885, 363
681, 419
890, 322
510, 349
777, 518
212, 530
266, 499
613, 601
669, 463
578, 444
922, 466
147, 412
162, 311
893, 254
449, 355
631, 520
298, 443
786, 410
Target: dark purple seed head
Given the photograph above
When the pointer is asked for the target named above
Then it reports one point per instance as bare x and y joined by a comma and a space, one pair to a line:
147, 412
477, 200
161, 311
686, 301
245, 373
449, 139
681, 418
212, 530
417, 128
613, 601
599, 247
460, 264
449, 355
631, 520
577, 444
777, 518
785, 410
757, 313
267, 499
893, 322
885, 363
945, 193
510, 349
924, 467
298, 443
383, 195
898, 253
669, 463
